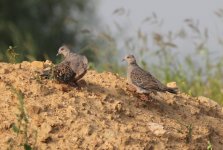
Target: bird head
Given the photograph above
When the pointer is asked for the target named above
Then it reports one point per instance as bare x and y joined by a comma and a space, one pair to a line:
130, 59
63, 50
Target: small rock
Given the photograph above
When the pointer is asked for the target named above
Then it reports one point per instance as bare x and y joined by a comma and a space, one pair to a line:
129, 113
71, 112
172, 85
35, 109
48, 140
88, 130
118, 106
17, 66
45, 90
60, 136
60, 106
37, 65
157, 129
4, 71
5, 125
126, 140
43, 134
159, 146
39, 89
25, 64
47, 63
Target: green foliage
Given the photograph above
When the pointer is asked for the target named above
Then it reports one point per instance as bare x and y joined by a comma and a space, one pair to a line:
195, 73
12, 55
209, 147
189, 133
27, 147
38, 28
21, 127
15, 128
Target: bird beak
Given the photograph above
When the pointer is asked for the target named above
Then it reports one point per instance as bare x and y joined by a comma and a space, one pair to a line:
57, 54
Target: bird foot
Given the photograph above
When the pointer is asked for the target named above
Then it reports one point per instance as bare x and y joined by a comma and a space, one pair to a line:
82, 83
143, 97
75, 85
131, 88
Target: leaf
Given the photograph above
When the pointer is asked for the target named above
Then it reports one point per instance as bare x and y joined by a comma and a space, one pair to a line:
147, 19
85, 31
194, 28
188, 20
209, 147
106, 37
182, 33
118, 26
154, 15
171, 44
15, 128
119, 11
143, 63
200, 46
27, 147
219, 13
141, 35
157, 37
11, 54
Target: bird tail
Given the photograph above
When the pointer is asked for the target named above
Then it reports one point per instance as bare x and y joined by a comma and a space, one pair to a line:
172, 90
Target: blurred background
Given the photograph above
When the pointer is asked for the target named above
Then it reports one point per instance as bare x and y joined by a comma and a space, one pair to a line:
176, 40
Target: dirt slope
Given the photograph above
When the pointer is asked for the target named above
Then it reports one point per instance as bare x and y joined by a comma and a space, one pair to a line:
103, 114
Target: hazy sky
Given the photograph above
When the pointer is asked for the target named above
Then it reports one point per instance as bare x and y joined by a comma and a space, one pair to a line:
172, 12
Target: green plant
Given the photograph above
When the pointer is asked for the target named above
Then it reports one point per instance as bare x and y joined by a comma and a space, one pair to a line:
209, 147
197, 73
189, 133
21, 127
12, 55
33, 31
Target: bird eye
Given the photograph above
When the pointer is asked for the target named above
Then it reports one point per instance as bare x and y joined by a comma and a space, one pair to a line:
62, 49
128, 57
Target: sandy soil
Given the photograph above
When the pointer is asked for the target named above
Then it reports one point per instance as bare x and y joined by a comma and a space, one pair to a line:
104, 114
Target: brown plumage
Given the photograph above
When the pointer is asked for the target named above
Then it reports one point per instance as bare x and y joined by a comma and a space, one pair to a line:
78, 63
72, 68
63, 73
143, 81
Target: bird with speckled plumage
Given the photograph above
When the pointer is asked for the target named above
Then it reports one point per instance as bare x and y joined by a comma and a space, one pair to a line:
72, 68
143, 81
63, 73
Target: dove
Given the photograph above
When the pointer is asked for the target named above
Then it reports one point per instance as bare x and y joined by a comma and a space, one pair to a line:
63, 73
143, 81
72, 68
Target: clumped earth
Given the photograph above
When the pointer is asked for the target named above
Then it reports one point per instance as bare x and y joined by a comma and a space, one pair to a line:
103, 114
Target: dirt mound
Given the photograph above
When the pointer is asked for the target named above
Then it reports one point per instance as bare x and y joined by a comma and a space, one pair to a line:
103, 114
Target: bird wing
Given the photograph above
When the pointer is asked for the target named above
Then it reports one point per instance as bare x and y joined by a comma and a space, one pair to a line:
78, 63
145, 80
63, 72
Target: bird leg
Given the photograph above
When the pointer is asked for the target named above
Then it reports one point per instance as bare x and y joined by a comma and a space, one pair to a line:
143, 97
131, 88
75, 85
